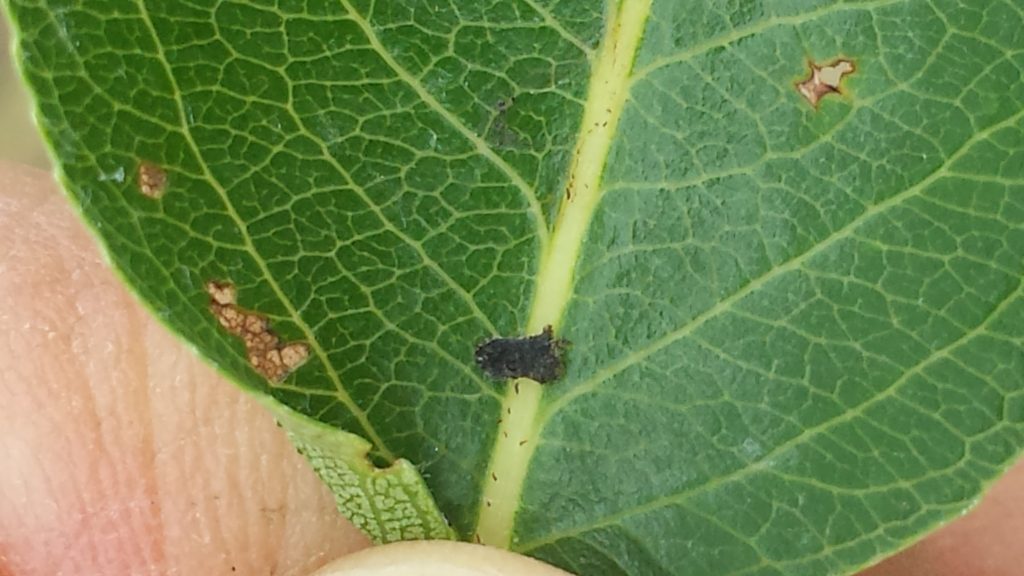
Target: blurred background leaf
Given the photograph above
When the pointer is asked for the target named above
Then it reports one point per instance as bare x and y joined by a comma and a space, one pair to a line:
19, 139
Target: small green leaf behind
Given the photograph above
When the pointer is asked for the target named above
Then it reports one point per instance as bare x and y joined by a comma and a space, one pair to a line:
388, 505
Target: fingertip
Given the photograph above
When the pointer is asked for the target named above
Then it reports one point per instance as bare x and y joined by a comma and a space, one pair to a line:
437, 558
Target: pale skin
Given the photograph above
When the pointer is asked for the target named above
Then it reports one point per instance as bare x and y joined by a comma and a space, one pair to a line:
122, 453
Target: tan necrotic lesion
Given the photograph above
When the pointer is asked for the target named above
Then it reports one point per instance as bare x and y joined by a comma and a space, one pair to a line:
267, 354
152, 180
824, 80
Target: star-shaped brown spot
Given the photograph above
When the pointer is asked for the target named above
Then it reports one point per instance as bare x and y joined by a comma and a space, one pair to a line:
824, 80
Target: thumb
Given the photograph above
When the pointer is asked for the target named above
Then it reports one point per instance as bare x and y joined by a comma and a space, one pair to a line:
437, 558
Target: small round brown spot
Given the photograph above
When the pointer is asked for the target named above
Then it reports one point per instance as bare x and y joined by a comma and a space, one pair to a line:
152, 180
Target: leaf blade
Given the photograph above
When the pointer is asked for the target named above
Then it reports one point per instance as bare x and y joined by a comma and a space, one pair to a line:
797, 331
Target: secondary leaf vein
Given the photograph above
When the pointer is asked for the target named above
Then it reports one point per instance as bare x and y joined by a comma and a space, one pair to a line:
808, 433
314, 344
482, 147
602, 374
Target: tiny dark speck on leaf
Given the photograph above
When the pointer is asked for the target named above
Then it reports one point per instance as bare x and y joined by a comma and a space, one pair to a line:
537, 357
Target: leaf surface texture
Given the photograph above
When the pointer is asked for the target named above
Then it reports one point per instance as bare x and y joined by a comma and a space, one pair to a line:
796, 331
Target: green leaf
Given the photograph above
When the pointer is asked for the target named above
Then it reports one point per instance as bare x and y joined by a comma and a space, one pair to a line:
388, 505
796, 331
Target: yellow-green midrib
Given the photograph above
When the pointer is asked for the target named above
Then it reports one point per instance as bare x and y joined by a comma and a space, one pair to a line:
518, 431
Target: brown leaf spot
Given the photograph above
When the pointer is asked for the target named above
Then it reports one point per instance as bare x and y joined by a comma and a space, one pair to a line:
294, 354
222, 294
267, 354
152, 180
824, 80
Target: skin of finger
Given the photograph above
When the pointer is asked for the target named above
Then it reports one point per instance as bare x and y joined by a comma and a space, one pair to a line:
120, 452
437, 558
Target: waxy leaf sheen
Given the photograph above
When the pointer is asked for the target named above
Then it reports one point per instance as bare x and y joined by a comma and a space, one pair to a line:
782, 239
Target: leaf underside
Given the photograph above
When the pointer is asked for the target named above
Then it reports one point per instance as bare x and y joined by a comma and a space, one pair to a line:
796, 332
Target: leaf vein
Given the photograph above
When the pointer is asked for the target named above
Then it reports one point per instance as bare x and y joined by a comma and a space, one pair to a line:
602, 374
485, 150
803, 437
314, 343
555, 25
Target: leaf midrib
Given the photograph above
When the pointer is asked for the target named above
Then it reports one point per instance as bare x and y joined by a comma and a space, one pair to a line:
517, 430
